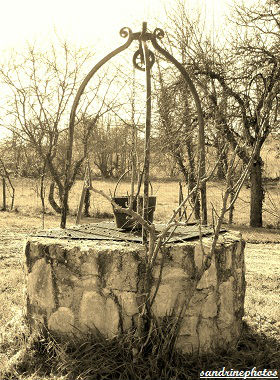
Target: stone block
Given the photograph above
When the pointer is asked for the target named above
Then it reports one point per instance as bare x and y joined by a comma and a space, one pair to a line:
208, 334
188, 344
90, 267
73, 259
90, 283
188, 263
126, 322
189, 325
170, 274
168, 298
112, 315
239, 249
128, 302
196, 302
64, 275
122, 273
225, 257
201, 250
58, 253
35, 251
226, 312
61, 321
99, 312
92, 311
209, 277
198, 256
65, 295
229, 334
177, 254
90, 279
182, 256
228, 256
239, 254
40, 286
209, 307
239, 276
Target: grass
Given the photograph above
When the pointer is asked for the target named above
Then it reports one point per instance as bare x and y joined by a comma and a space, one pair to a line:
36, 357
98, 358
167, 200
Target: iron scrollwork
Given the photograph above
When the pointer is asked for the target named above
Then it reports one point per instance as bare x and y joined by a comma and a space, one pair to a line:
125, 32
139, 62
158, 33
138, 57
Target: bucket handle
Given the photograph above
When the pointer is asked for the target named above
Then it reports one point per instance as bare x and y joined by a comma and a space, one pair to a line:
119, 180
121, 177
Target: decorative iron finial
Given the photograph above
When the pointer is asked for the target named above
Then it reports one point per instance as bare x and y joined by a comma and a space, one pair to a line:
138, 57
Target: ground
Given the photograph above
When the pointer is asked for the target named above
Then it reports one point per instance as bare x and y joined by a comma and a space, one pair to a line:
262, 254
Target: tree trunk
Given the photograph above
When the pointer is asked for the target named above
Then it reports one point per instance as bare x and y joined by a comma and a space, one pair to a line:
257, 193
180, 163
87, 203
230, 216
192, 180
42, 194
223, 166
52, 201
4, 208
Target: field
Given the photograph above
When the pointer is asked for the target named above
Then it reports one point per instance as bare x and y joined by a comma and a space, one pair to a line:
167, 199
260, 345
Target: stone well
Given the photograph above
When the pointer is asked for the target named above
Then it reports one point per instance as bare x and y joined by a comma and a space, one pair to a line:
79, 284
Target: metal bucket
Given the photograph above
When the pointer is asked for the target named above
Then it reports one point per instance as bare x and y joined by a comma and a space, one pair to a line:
124, 221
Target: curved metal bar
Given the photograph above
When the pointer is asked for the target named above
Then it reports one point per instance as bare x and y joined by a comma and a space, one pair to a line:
124, 32
159, 33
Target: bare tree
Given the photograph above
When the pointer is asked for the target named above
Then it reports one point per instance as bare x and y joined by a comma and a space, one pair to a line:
245, 76
41, 86
111, 144
177, 129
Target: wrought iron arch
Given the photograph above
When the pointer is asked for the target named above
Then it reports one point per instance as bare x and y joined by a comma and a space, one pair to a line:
143, 59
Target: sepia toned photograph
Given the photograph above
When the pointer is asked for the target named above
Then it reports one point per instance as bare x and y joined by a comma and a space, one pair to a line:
139, 190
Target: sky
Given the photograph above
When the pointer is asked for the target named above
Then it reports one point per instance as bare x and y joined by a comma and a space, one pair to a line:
87, 23
84, 21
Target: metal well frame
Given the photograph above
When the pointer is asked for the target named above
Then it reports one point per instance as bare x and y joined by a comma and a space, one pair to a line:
143, 59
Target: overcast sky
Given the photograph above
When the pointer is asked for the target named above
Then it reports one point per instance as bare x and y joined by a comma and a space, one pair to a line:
89, 23
83, 21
